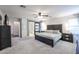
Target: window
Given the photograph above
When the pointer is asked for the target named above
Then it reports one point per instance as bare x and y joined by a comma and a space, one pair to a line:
73, 25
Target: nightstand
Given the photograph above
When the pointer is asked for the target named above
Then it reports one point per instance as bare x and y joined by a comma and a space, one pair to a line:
67, 37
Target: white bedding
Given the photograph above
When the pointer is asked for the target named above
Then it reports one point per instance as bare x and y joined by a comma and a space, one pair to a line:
54, 36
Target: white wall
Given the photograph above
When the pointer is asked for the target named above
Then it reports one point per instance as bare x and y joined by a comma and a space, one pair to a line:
63, 21
43, 26
11, 23
2, 14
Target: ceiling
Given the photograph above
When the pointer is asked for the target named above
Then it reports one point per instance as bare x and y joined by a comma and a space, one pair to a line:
52, 10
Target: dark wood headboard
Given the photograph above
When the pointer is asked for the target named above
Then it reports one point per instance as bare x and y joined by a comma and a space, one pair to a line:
55, 27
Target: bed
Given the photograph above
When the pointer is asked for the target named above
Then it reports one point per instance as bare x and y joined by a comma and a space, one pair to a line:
50, 38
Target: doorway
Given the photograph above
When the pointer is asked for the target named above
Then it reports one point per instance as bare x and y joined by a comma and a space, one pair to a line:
15, 27
31, 28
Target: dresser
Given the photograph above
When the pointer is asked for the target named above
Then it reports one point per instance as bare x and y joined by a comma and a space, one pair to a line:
5, 37
67, 37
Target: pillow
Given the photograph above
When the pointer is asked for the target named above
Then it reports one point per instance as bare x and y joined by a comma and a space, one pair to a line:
55, 31
49, 31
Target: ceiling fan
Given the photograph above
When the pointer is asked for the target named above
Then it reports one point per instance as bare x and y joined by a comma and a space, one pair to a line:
36, 13
40, 14
22, 6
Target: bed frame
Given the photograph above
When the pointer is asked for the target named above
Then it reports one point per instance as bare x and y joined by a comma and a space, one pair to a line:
46, 40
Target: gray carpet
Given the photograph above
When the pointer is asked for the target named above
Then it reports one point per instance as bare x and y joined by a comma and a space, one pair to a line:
31, 46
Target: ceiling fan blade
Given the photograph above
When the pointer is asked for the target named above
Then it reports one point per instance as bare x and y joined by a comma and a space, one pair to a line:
45, 15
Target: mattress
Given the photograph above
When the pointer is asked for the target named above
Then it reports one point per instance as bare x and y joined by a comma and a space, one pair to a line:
54, 36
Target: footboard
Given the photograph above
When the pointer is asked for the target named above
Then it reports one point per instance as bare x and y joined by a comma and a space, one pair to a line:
44, 40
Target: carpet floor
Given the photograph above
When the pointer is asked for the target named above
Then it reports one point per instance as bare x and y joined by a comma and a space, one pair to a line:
31, 46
